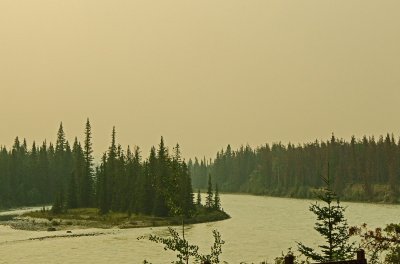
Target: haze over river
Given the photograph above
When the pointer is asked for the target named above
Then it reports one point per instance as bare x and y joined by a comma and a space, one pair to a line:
260, 229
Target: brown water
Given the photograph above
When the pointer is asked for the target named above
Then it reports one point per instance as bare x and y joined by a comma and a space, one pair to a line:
260, 229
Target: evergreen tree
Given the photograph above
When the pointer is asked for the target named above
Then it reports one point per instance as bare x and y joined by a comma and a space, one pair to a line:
209, 197
162, 184
217, 200
198, 202
110, 173
148, 192
103, 188
78, 172
61, 141
60, 170
332, 226
186, 198
86, 195
72, 200
58, 206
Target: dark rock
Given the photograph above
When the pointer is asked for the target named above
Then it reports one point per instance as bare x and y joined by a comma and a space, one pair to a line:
69, 232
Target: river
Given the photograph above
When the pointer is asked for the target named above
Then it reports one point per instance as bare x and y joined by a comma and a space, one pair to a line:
260, 229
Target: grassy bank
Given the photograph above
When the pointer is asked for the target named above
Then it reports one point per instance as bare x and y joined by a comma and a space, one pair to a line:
90, 218
351, 193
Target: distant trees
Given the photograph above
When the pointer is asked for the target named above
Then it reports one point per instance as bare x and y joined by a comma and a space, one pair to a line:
209, 197
198, 201
36, 175
362, 169
213, 201
87, 191
217, 200
122, 182
160, 185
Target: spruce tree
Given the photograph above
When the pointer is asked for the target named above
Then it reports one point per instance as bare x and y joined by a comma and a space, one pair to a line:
110, 173
136, 181
209, 198
217, 200
198, 202
72, 200
60, 173
78, 170
332, 226
59, 205
60, 143
161, 181
148, 193
87, 180
103, 187
186, 197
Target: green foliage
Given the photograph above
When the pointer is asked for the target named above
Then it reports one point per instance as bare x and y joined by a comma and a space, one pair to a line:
217, 199
185, 251
72, 200
102, 187
209, 197
382, 245
281, 259
86, 182
365, 169
332, 226
58, 206
160, 185
198, 201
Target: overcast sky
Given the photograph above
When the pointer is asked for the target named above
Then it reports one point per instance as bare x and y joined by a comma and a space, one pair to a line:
203, 73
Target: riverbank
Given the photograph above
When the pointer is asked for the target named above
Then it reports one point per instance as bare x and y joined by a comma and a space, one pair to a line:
42, 220
380, 194
260, 228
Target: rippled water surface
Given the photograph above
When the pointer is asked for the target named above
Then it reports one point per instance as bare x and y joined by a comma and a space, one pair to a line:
260, 229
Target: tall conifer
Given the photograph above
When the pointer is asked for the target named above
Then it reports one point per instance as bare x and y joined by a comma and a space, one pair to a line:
87, 181
217, 200
209, 198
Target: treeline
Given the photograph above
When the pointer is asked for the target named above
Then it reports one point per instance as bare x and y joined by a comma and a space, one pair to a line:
362, 169
37, 175
160, 185
64, 175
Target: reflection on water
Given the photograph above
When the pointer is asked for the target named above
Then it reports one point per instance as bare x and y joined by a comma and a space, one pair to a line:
260, 228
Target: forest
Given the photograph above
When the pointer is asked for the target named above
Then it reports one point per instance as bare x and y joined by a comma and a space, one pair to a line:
65, 176
363, 169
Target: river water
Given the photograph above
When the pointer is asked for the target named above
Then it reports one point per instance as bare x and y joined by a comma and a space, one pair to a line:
260, 229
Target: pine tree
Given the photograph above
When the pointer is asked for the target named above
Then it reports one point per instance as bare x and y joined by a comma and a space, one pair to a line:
332, 226
72, 200
148, 192
58, 206
217, 200
209, 198
198, 202
78, 171
161, 181
60, 143
136, 180
186, 197
60, 173
110, 173
87, 180
103, 187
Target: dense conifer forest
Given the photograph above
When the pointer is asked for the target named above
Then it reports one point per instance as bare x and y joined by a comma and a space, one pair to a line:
65, 176
363, 169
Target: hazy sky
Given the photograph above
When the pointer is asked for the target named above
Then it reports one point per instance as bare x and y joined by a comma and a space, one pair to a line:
203, 73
